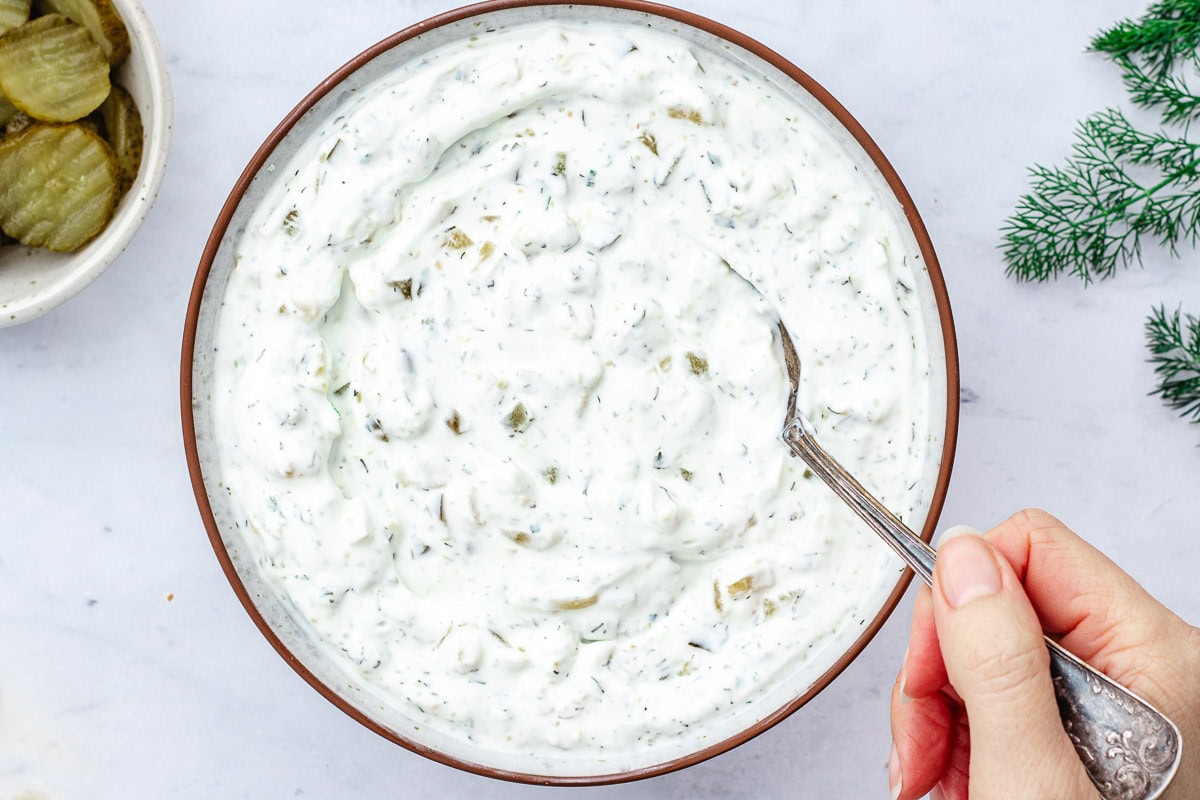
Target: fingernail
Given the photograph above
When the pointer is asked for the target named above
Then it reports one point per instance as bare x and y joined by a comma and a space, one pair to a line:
894, 773
966, 570
955, 531
904, 698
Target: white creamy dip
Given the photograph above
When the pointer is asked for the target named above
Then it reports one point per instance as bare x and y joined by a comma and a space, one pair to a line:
503, 427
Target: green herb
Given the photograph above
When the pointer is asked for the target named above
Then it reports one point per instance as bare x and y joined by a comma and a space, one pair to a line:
1090, 215
1150, 52
1122, 187
1174, 342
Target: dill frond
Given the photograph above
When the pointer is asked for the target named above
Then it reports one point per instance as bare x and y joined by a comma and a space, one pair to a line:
1153, 51
1174, 344
1168, 33
1087, 217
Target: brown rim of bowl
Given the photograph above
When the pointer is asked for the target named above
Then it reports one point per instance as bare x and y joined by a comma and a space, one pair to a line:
843, 117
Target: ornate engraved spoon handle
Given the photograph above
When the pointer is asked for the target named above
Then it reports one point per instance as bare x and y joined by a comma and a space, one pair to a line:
1130, 750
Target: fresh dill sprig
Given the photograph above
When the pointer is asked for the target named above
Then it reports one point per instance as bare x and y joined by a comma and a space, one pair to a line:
1167, 34
1174, 343
1121, 185
1087, 217
1169, 93
1152, 52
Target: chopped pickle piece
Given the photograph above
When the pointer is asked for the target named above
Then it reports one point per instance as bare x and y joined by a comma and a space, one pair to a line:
741, 586
691, 115
404, 287
53, 70
58, 186
518, 417
457, 240
698, 365
13, 14
101, 20
123, 126
650, 142
575, 605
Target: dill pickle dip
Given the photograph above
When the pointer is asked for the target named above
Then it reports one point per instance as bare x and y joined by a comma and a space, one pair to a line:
500, 422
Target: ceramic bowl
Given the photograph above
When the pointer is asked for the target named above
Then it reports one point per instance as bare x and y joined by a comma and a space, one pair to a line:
34, 281
288, 635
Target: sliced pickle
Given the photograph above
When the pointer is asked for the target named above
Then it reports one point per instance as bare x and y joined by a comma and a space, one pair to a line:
101, 20
13, 14
53, 70
123, 126
58, 186
7, 112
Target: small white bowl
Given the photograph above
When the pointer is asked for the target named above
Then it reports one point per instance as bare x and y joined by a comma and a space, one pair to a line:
34, 281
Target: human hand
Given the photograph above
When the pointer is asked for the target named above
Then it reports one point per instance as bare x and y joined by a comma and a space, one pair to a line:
973, 708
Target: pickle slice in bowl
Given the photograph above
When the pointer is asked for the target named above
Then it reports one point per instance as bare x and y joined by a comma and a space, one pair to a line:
123, 130
53, 70
101, 20
13, 14
7, 112
59, 186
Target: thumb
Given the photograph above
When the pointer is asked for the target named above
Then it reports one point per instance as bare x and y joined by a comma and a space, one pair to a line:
996, 660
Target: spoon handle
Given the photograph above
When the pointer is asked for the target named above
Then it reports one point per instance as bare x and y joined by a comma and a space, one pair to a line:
1130, 750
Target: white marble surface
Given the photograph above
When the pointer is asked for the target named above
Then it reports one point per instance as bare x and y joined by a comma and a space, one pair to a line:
127, 666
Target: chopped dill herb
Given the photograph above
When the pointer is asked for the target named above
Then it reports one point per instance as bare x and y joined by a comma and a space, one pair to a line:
1174, 342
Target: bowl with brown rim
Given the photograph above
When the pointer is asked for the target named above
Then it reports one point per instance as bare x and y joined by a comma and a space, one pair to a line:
289, 635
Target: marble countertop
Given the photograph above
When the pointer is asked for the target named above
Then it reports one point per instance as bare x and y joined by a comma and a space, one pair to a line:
127, 666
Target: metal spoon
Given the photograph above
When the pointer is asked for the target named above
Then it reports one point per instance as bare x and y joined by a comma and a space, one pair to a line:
1130, 750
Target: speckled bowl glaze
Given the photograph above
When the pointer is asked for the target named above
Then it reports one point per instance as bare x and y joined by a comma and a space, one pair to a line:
263, 604
34, 281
